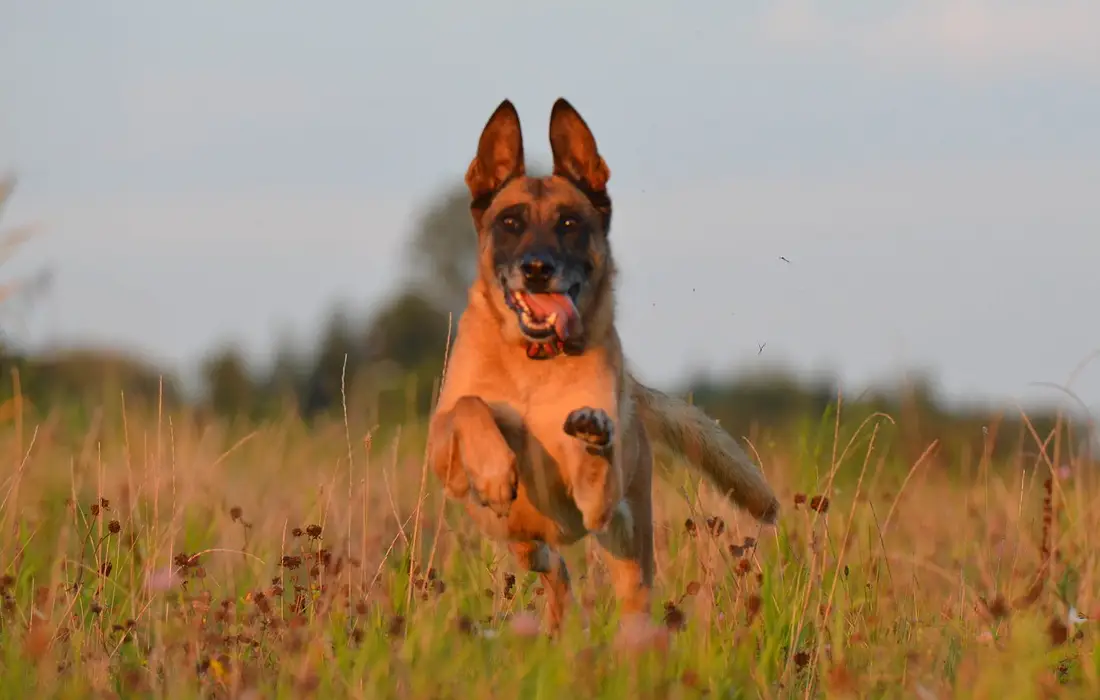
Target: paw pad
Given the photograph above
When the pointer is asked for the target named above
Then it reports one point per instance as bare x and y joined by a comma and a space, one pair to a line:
592, 425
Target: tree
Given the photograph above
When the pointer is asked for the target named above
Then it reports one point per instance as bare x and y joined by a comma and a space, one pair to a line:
286, 375
442, 255
229, 388
339, 344
409, 330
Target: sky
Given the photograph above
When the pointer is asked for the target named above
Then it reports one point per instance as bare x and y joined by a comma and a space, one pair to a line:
848, 187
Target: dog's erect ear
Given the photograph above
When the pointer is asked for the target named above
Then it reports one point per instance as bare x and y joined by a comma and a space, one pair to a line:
577, 159
574, 148
499, 157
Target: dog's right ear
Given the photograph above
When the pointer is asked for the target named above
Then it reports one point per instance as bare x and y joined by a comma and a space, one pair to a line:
499, 157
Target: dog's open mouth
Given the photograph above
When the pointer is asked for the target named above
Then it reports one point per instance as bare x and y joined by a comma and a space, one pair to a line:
543, 316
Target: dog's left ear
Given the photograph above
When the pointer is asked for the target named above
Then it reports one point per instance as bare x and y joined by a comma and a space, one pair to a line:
576, 157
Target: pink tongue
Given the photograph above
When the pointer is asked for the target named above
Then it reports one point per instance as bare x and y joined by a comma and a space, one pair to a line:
542, 305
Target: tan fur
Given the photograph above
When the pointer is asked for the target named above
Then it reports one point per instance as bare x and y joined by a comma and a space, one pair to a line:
688, 431
497, 439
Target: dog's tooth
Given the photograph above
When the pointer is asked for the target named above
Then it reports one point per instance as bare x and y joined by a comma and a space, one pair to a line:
552, 318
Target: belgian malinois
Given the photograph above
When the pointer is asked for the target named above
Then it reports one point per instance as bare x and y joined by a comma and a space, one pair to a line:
539, 427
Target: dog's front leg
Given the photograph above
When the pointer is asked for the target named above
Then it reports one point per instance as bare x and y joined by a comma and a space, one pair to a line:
593, 464
468, 450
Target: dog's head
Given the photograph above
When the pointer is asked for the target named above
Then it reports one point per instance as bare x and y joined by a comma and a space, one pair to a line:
543, 241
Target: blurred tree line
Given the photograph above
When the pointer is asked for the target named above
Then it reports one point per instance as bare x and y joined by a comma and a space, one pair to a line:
385, 368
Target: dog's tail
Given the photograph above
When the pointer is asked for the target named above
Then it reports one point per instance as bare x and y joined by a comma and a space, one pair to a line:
688, 431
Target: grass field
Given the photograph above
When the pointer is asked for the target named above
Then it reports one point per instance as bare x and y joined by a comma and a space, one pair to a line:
148, 555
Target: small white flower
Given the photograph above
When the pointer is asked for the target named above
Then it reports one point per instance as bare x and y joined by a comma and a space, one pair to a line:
924, 693
163, 579
1075, 618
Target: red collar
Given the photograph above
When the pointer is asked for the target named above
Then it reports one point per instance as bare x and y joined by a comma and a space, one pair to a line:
545, 351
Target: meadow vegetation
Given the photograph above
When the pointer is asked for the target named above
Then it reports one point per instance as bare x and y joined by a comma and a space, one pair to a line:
156, 554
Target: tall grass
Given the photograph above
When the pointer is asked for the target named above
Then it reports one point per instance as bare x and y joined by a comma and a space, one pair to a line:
151, 554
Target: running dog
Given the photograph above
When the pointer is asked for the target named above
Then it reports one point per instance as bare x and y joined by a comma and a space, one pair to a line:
540, 429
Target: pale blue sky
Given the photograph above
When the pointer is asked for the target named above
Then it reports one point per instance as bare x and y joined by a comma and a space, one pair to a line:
929, 167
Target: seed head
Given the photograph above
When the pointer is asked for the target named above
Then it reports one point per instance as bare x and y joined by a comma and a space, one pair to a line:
998, 608
820, 504
465, 625
752, 606
716, 526
674, 617
291, 562
801, 659
397, 626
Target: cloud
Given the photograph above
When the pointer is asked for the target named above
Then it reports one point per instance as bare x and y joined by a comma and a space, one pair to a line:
975, 36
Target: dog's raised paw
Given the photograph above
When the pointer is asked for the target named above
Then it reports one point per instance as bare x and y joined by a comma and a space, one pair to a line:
593, 426
494, 488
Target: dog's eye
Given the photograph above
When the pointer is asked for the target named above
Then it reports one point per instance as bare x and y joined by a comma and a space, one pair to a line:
511, 224
568, 224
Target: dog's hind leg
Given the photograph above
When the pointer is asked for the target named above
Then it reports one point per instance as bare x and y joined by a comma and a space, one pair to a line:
542, 559
628, 552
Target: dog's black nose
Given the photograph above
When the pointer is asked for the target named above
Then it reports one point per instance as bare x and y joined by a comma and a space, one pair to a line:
537, 269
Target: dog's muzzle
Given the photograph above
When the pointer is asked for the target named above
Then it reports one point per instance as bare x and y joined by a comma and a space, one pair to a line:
544, 317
